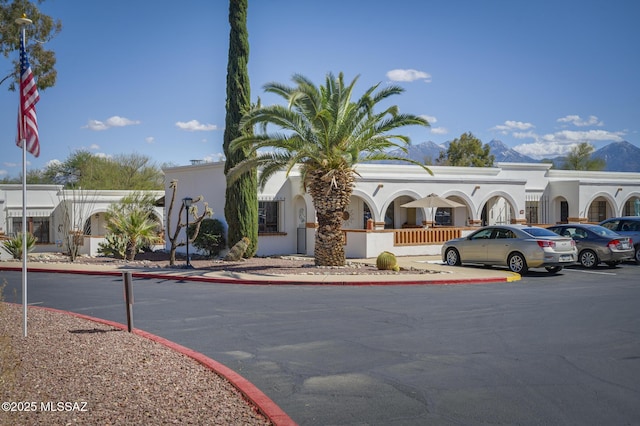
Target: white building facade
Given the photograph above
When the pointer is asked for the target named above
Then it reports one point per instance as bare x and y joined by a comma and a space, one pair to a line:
53, 211
375, 220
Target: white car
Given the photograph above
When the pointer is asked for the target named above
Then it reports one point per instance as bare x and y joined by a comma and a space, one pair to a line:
519, 247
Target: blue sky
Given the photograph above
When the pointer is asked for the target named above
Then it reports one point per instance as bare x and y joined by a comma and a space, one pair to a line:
149, 77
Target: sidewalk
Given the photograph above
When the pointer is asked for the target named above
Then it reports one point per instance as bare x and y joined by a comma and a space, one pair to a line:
435, 272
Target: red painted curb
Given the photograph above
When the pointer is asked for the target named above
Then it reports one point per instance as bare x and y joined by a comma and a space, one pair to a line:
262, 402
220, 280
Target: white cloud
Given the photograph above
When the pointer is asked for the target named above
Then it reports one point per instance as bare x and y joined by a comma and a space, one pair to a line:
53, 162
3, 172
103, 155
94, 147
439, 130
408, 75
217, 157
573, 136
511, 125
579, 122
7, 164
560, 143
524, 135
195, 126
430, 118
114, 121
95, 125
542, 149
150, 139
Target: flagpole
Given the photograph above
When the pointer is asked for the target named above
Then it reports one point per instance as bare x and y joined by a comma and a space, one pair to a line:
22, 22
24, 235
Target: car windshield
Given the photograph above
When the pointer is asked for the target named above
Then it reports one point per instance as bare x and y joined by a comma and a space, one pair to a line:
539, 232
601, 230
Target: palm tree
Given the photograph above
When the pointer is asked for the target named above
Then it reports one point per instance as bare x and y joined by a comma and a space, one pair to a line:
133, 219
136, 227
327, 134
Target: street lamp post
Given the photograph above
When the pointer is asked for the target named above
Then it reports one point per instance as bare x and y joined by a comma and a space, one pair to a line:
187, 201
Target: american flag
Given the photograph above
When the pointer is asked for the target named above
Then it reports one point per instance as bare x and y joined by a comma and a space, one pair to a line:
29, 96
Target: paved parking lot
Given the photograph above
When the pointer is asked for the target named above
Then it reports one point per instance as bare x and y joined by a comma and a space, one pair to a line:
561, 349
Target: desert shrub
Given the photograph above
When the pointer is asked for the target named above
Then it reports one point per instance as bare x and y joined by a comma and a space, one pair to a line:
211, 238
13, 246
114, 246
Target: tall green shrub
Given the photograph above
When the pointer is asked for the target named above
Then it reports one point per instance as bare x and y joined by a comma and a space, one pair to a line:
241, 204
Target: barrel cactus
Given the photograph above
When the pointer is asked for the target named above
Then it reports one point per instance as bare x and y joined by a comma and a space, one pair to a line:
387, 261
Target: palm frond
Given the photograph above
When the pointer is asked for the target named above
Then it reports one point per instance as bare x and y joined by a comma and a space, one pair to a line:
322, 127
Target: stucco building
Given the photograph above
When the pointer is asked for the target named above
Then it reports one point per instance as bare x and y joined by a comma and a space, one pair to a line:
375, 219
52, 211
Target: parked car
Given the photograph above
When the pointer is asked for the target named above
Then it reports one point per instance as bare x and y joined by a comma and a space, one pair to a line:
519, 247
628, 226
597, 244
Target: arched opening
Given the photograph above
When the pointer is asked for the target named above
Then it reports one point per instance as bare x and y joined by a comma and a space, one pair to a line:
95, 224
599, 210
631, 207
356, 214
497, 211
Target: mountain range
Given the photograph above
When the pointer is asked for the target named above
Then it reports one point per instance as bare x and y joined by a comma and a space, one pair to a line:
618, 156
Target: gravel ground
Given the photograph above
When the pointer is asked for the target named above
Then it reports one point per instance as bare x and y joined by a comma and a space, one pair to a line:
274, 265
91, 373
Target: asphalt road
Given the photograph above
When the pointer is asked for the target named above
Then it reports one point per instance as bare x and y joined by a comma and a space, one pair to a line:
561, 349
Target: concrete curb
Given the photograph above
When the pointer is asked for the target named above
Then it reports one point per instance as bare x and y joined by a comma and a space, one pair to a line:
254, 395
279, 281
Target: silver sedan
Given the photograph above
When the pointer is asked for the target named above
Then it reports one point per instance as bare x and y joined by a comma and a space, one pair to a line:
597, 244
519, 247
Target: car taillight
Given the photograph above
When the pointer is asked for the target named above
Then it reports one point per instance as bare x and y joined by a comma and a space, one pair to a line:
547, 243
613, 244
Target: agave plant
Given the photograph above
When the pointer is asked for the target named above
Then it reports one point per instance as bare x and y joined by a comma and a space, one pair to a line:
13, 246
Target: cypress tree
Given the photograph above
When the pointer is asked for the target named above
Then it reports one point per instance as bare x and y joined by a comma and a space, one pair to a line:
241, 202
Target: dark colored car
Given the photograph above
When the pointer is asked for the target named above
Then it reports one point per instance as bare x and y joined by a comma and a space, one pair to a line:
597, 244
628, 226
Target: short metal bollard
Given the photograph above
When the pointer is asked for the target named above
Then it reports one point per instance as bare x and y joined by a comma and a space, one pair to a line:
128, 298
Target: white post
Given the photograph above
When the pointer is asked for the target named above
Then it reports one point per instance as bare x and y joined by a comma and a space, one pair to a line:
24, 233
22, 22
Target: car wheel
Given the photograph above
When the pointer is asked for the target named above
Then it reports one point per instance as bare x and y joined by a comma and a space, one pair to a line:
453, 257
638, 253
517, 263
588, 259
553, 269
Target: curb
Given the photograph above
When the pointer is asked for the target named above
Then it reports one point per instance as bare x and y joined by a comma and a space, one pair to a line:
255, 396
271, 282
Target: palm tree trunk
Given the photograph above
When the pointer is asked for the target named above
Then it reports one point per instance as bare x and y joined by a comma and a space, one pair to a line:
131, 250
331, 193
